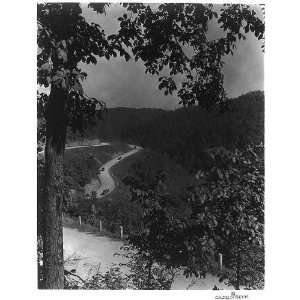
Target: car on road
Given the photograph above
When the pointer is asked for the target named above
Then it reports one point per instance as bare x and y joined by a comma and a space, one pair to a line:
120, 157
105, 191
102, 169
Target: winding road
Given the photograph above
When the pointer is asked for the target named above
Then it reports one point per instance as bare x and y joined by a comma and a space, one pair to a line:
105, 178
41, 153
93, 250
107, 183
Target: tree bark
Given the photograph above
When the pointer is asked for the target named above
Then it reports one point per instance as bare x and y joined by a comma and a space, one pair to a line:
149, 273
53, 261
238, 267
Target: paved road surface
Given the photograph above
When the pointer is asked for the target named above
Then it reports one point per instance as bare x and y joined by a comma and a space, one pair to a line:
41, 153
105, 178
94, 249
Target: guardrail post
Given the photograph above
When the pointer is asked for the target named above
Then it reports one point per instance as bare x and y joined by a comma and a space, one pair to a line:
221, 261
121, 231
79, 218
93, 209
100, 225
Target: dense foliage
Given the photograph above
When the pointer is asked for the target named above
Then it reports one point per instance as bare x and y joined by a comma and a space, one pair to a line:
228, 207
173, 39
134, 273
64, 40
169, 39
224, 208
159, 37
165, 234
224, 214
185, 133
118, 208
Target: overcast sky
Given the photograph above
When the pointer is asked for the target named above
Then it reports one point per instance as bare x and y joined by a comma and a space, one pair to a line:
125, 84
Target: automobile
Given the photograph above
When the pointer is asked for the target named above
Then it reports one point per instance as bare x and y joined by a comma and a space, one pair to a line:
120, 157
102, 169
105, 191
134, 147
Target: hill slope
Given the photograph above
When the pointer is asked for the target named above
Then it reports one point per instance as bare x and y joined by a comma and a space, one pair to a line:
184, 133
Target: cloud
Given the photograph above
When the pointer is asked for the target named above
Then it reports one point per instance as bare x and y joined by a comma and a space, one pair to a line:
122, 83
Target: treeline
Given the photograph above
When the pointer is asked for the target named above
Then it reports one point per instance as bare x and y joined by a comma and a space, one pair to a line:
184, 133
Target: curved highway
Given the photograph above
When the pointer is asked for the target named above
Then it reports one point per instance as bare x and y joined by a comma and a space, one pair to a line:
88, 146
107, 183
92, 249
41, 153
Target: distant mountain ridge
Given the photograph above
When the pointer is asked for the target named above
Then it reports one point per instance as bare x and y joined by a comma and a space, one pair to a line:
185, 132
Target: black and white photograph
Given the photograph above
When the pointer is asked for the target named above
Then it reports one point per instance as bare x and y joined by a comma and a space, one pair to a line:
150, 149
150, 146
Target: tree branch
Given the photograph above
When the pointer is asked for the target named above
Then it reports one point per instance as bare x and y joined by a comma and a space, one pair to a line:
66, 272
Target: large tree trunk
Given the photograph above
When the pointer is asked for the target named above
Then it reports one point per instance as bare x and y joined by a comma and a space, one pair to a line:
53, 266
150, 264
238, 268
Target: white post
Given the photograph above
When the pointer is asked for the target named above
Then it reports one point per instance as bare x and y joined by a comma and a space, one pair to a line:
121, 229
79, 218
221, 261
100, 225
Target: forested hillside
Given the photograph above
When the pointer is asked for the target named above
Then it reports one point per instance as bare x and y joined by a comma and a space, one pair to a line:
192, 199
184, 133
